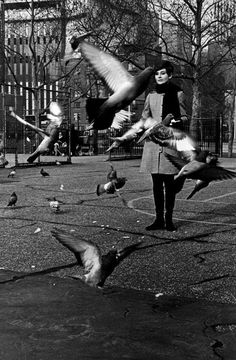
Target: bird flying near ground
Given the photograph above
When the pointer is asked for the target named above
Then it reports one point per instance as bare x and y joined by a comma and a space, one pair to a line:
124, 87
111, 186
112, 174
3, 160
1, 145
44, 173
97, 266
12, 173
12, 200
203, 168
50, 135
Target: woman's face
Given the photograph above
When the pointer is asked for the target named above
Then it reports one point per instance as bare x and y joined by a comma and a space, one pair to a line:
162, 77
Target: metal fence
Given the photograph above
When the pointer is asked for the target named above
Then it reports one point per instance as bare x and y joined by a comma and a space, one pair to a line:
210, 135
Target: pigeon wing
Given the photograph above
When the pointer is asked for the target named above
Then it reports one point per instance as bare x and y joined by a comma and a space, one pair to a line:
214, 173
182, 142
107, 67
84, 251
171, 137
120, 118
26, 123
112, 175
113, 259
158, 131
178, 162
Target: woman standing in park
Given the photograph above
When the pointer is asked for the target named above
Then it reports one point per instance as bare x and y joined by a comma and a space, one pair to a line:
167, 98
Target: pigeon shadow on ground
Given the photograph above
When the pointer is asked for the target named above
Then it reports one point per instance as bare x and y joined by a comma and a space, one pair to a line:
50, 270
224, 211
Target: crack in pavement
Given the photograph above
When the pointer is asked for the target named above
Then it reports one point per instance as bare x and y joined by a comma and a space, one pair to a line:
211, 279
202, 259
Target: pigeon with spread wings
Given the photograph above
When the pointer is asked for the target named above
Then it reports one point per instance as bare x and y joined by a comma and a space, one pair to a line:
203, 167
124, 87
112, 174
97, 266
162, 133
50, 135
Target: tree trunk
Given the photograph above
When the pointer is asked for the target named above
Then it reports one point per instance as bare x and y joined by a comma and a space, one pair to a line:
231, 138
196, 106
231, 125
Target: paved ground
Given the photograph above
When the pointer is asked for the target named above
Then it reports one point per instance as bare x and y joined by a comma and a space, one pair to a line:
192, 271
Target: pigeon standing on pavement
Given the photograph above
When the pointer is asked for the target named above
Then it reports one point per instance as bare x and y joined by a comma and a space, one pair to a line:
12, 200
12, 173
97, 266
124, 87
54, 204
202, 167
44, 173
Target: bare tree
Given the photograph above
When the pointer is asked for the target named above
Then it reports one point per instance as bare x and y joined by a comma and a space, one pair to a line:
35, 49
197, 25
180, 30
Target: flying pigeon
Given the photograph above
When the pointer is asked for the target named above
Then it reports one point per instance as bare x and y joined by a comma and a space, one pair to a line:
97, 266
124, 87
166, 134
74, 54
120, 118
112, 174
111, 186
203, 168
3, 160
12, 173
117, 120
12, 200
77, 39
1, 145
162, 133
44, 173
50, 135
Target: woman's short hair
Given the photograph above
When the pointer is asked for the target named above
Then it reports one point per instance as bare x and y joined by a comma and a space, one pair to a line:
165, 65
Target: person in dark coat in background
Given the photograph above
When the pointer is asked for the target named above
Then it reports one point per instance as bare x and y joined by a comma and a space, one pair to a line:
165, 99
